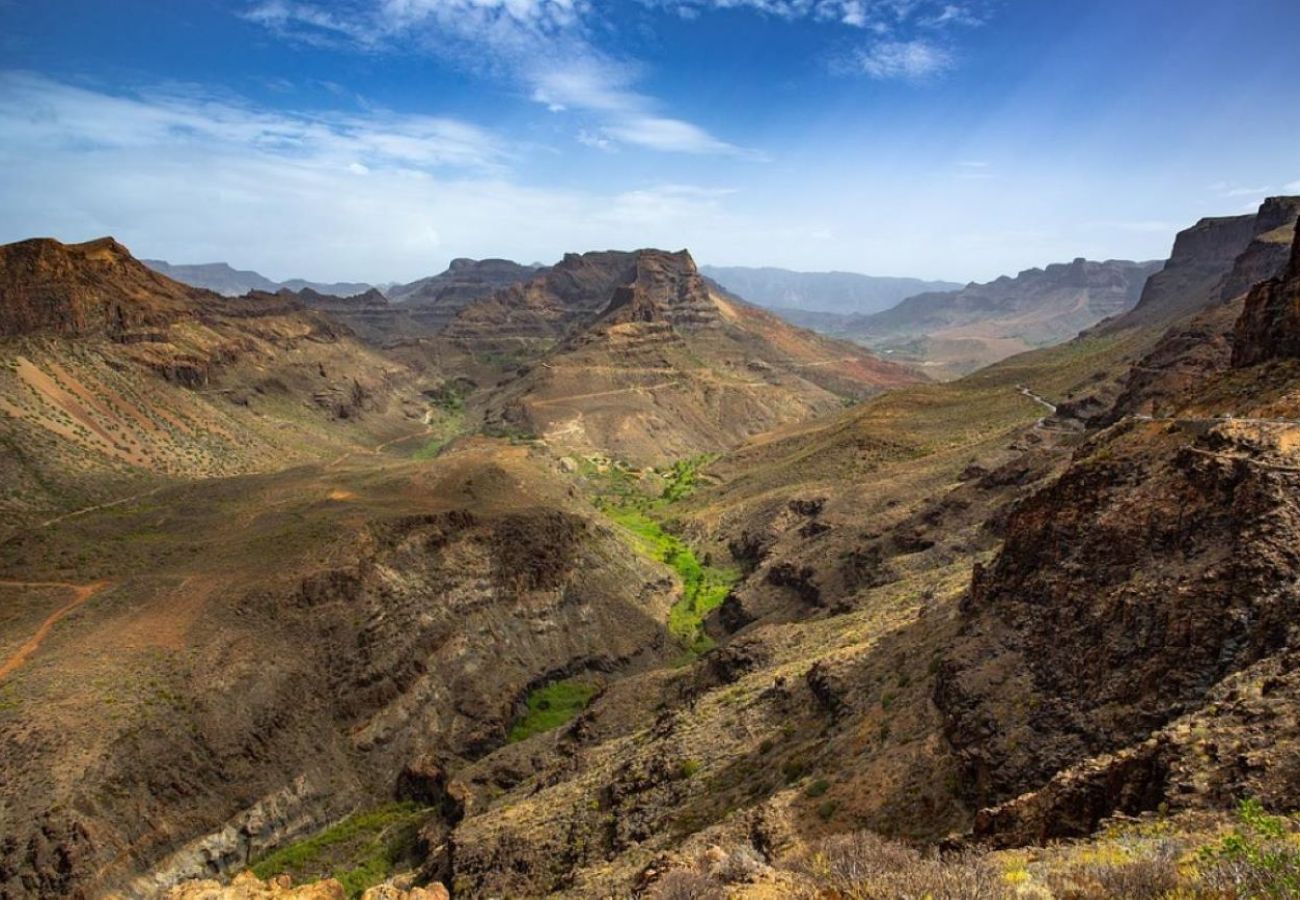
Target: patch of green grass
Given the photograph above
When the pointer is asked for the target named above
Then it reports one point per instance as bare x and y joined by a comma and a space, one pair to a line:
683, 477
553, 705
361, 851
621, 496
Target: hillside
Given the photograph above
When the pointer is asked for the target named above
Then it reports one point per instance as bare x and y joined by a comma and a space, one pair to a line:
642, 360
114, 376
222, 278
1052, 600
958, 331
840, 293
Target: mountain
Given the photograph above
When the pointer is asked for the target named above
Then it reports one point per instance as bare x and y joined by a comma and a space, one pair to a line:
582, 636
634, 354
959, 331
434, 301
842, 293
116, 376
222, 279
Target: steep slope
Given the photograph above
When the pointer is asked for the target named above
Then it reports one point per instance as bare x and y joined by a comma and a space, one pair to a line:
959, 331
841, 293
114, 376
1154, 649
862, 682
435, 301
369, 314
221, 278
260, 656
646, 362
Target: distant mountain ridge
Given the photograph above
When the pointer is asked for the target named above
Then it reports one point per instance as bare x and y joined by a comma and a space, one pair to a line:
222, 278
845, 293
960, 331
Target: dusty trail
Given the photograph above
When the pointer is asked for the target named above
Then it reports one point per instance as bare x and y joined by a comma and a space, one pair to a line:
628, 390
81, 593
379, 448
89, 509
1036, 398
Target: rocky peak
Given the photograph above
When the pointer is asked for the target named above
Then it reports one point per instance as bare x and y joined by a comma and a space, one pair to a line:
74, 289
665, 287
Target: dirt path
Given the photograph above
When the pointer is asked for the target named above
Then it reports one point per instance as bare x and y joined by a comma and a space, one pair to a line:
80, 594
379, 448
628, 390
1036, 398
89, 509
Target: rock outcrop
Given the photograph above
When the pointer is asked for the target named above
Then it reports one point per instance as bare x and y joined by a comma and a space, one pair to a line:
79, 289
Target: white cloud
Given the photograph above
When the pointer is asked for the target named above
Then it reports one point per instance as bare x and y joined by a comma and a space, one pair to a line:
539, 43
910, 60
190, 178
1292, 187
38, 112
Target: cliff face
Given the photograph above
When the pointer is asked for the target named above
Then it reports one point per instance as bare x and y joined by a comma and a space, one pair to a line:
1202, 257
1269, 327
1139, 596
1269, 249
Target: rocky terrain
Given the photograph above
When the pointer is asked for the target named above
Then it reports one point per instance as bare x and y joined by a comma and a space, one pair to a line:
433, 302
660, 596
958, 331
664, 367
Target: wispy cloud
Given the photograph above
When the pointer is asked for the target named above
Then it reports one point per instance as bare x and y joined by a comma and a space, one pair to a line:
41, 112
908, 36
542, 45
913, 60
185, 176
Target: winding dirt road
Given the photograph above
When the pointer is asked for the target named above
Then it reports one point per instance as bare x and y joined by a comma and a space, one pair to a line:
80, 594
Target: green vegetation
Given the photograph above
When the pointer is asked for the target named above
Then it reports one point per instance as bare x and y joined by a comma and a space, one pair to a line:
361, 851
619, 494
446, 421
689, 768
553, 705
1259, 858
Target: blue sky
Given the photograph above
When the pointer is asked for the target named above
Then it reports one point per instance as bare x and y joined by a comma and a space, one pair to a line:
377, 139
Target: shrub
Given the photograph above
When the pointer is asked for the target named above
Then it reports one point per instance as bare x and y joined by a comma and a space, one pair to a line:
863, 865
683, 884
689, 767
1258, 859
1147, 877
818, 787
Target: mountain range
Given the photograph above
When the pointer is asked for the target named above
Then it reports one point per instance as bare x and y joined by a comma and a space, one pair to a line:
602, 581
841, 293
222, 278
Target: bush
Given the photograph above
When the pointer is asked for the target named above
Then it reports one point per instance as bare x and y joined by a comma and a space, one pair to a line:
1258, 859
683, 884
864, 866
1148, 877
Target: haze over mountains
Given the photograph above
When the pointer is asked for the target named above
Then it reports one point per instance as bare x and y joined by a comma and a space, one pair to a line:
842, 293
222, 278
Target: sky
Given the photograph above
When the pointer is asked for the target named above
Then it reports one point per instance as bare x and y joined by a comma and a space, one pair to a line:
376, 140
